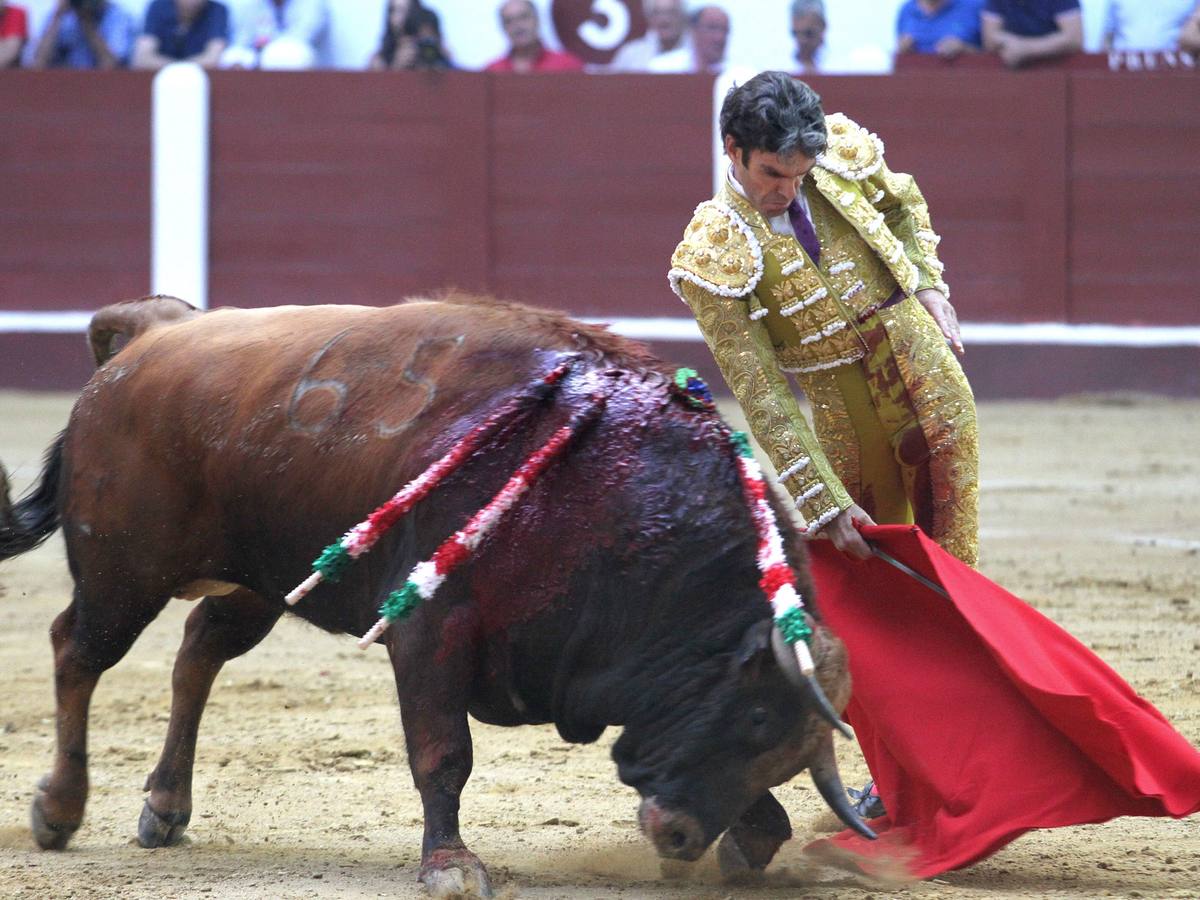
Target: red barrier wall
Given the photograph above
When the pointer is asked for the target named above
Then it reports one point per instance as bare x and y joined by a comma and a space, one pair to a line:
377, 186
1062, 194
989, 152
75, 182
332, 187
1134, 189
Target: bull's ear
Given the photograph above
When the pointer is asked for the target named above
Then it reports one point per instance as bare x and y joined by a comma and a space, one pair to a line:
755, 656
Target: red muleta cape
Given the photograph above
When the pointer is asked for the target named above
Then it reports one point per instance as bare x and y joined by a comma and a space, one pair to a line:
979, 718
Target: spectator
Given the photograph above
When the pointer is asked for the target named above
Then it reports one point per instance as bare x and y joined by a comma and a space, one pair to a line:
808, 31
527, 53
945, 27
412, 39
666, 31
14, 32
85, 34
1189, 37
277, 34
709, 31
1146, 26
192, 30
1022, 31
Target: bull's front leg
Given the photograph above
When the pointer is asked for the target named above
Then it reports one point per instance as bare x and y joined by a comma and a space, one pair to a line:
754, 839
433, 707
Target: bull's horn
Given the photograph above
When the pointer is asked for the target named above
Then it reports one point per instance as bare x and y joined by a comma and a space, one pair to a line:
808, 687
824, 772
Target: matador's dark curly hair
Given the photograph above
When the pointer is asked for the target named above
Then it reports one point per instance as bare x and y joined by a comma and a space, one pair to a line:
776, 113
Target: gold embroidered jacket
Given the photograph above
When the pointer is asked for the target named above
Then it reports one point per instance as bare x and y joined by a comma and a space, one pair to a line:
764, 307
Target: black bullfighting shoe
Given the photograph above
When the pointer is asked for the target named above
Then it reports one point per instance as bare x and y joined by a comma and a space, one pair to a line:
867, 802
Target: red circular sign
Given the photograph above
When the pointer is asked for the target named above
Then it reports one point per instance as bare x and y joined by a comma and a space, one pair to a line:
594, 30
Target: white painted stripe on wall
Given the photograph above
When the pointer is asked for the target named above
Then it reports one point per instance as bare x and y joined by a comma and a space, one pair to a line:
651, 329
44, 322
681, 329
669, 328
1081, 335
179, 184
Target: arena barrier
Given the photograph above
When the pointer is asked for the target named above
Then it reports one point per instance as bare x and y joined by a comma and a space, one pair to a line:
1065, 199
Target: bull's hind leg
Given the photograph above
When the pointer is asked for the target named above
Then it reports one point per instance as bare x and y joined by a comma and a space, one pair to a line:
218, 630
89, 637
433, 706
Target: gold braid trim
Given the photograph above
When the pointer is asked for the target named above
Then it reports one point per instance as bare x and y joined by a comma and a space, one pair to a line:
853, 152
718, 253
853, 205
945, 408
907, 217
835, 431
743, 352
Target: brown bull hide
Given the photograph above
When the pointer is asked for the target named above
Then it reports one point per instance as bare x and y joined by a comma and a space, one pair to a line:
133, 317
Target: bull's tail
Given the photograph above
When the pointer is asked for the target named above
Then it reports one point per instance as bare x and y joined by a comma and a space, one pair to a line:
32, 519
126, 320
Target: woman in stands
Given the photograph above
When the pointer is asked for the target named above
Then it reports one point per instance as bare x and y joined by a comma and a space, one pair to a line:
412, 39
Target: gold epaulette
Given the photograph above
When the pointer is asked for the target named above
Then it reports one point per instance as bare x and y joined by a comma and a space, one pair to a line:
853, 152
718, 253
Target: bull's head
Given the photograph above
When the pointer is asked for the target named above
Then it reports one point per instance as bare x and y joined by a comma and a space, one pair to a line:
757, 726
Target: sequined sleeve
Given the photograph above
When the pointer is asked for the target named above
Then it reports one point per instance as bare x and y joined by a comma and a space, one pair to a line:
743, 352
906, 214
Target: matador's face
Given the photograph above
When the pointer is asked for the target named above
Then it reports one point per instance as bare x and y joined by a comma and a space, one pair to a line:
770, 180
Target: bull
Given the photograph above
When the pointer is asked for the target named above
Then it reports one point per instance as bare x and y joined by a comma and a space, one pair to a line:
213, 455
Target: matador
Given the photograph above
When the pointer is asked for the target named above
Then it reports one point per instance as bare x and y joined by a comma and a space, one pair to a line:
815, 261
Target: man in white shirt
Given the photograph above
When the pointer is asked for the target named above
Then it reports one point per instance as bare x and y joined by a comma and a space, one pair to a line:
709, 31
666, 31
277, 33
808, 31
1189, 38
1141, 25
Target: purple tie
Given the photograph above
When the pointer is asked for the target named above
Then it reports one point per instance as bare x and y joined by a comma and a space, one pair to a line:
805, 233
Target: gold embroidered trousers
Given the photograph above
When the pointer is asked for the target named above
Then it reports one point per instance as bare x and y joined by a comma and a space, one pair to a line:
899, 429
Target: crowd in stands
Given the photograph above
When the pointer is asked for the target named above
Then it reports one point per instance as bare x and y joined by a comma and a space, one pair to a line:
1026, 31
680, 36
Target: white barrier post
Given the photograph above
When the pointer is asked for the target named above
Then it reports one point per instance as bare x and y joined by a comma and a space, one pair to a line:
724, 82
179, 183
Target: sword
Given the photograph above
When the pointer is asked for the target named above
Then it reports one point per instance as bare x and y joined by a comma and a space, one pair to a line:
907, 570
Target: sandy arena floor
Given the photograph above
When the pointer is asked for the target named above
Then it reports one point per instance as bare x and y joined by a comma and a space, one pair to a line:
1091, 512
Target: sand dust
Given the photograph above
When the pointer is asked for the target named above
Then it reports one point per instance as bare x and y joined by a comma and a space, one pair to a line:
1091, 511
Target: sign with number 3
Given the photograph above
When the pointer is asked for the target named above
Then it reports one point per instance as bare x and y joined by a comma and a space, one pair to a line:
593, 30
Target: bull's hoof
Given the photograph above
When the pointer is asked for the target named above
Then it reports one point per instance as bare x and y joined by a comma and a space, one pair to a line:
455, 873
736, 866
155, 830
49, 835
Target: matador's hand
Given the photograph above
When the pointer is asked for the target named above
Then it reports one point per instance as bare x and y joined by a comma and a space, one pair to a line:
842, 531
945, 316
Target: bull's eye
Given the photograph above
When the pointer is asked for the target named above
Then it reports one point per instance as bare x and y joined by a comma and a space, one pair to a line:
758, 715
